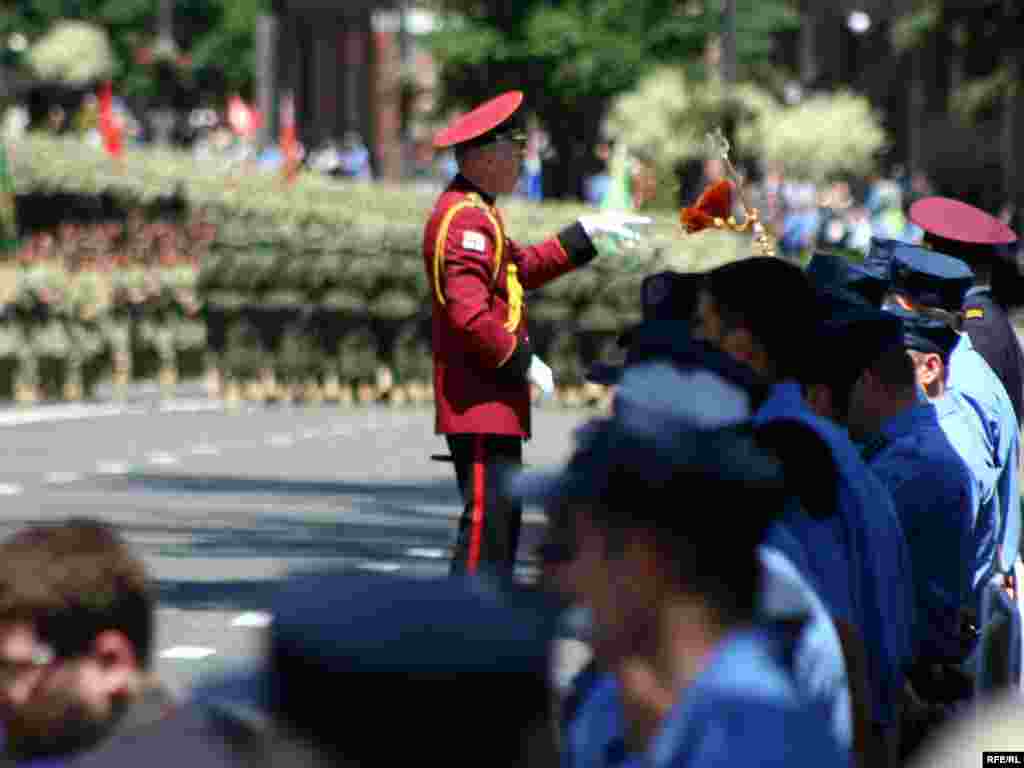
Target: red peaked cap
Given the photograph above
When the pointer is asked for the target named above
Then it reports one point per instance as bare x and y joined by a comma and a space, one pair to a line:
953, 220
479, 121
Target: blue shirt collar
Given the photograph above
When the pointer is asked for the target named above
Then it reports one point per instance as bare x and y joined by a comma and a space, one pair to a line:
945, 405
909, 420
742, 663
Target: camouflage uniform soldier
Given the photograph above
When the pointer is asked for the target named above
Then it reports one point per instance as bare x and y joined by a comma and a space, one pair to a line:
26, 373
87, 308
156, 331
127, 294
10, 334
41, 302
187, 326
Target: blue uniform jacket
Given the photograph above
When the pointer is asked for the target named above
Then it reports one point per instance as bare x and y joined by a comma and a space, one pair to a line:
594, 734
744, 710
880, 579
965, 431
975, 380
996, 341
934, 496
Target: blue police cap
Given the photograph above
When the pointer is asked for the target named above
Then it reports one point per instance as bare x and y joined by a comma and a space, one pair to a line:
426, 646
839, 280
855, 338
405, 653
929, 278
665, 419
667, 295
880, 254
670, 340
924, 334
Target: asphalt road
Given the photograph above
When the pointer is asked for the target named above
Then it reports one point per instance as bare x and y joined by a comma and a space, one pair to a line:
222, 504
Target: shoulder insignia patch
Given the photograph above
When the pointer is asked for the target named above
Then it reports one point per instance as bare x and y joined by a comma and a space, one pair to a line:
974, 313
474, 241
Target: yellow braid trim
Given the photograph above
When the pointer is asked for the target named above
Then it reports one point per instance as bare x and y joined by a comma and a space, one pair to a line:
515, 299
472, 201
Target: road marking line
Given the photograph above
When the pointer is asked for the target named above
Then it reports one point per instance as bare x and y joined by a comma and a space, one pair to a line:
280, 441
433, 554
191, 406
188, 652
379, 567
257, 619
62, 478
10, 489
112, 467
49, 413
205, 450
162, 459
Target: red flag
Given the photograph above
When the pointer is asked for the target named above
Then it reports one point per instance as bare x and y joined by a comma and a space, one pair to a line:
110, 126
288, 139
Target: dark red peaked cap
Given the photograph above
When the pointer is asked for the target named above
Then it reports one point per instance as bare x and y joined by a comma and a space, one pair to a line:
960, 222
479, 121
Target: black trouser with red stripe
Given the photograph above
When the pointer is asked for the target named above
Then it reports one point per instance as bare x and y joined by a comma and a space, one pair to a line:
489, 527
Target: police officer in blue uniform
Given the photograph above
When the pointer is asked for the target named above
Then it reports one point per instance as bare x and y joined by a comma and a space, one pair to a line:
983, 242
594, 732
933, 490
935, 284
931, 486
930, 343
742, 704
938, 678
853, 540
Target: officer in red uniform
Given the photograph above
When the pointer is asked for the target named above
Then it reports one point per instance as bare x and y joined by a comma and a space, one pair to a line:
483, 360
980, 239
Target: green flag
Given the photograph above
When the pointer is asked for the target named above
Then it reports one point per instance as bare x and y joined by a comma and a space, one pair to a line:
8, 219
619, 196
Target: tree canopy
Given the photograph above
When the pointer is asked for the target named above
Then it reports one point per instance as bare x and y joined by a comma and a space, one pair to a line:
214, 38
573, 57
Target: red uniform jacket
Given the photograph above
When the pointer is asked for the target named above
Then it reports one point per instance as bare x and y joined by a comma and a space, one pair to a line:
480, 339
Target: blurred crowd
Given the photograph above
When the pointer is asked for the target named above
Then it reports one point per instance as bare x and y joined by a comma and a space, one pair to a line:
805, 215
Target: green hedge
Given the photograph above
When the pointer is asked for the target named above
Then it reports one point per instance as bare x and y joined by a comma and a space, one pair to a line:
323, 276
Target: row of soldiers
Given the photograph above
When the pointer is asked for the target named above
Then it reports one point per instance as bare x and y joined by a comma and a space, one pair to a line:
127, 301
91, 300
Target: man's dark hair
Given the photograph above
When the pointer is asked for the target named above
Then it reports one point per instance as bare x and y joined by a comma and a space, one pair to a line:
718, 562
895, 369
74, 580
774, 301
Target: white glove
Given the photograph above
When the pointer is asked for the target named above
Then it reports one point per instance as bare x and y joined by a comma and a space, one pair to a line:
540, 374
616, 225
